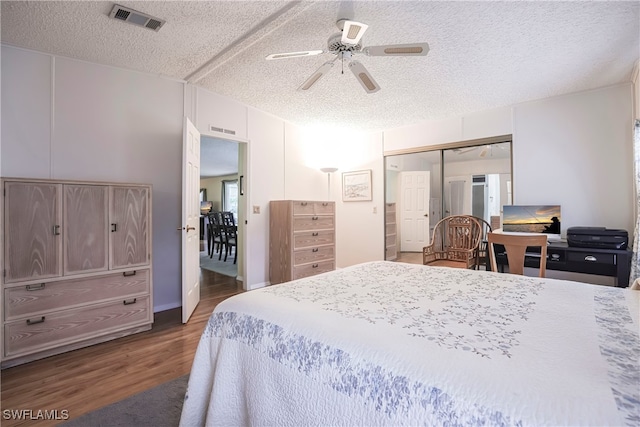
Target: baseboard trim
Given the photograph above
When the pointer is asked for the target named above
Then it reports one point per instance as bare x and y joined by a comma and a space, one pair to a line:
166, 307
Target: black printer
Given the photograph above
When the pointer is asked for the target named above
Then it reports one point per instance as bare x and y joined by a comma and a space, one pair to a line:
597, 237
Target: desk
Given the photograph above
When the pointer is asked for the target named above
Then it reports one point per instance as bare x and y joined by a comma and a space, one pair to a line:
605, 262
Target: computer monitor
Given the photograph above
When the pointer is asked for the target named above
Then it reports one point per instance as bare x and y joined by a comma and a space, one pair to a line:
532, 219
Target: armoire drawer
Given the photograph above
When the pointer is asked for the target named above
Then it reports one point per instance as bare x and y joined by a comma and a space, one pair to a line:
313, 222
306, 256
312, 238
43, 332
312, 269
21, 301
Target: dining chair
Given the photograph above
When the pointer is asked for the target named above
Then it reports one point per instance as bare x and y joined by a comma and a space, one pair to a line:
231, 235
515, 246
486, 228
217, 235
455, 242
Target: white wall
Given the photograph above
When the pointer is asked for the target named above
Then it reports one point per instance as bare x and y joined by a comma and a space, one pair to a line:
360, 225
108, 125
576, 151
266, 182
471, 126
26, 113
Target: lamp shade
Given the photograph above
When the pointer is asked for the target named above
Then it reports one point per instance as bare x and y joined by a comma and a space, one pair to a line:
328, 170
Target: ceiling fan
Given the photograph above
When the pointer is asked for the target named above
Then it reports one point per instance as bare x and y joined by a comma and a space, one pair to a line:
345, 45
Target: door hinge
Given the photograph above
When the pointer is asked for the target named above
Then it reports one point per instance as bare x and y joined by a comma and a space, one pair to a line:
4, 273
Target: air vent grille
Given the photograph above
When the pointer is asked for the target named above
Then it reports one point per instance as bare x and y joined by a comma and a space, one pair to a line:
136, 18
221, 130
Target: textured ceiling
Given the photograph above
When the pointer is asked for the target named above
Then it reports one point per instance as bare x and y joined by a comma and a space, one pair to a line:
218, 157
483, 54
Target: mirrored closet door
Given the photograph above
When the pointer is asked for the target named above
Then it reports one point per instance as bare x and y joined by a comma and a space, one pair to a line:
423, 187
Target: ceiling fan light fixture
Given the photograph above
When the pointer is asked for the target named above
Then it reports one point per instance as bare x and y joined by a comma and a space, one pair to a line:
352, 32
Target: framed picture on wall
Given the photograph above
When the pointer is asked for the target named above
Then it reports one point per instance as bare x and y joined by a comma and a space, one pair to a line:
356, 186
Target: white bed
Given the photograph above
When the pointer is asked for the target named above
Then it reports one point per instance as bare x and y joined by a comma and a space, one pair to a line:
386, 343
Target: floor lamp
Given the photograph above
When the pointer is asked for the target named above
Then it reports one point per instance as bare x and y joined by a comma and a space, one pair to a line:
328, 171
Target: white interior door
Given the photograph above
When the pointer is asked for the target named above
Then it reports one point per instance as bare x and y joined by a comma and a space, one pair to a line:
190, 219
414, 210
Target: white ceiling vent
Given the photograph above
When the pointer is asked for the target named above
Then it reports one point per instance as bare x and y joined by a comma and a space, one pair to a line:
137, 18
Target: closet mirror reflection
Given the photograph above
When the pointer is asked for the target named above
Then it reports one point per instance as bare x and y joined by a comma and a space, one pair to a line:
423, 187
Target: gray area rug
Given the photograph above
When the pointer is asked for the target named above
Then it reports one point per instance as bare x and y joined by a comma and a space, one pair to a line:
226, 268
157, 407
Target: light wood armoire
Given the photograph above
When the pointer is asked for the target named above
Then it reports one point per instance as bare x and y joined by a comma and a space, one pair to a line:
77, 265
301, 239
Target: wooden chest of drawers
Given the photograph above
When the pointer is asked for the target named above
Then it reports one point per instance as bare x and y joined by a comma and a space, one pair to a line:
301, 239
390, 231
77, 265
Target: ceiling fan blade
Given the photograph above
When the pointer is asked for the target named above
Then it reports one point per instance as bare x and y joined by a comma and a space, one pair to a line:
352, 32
363, 76
463, 150
313, 79
294, 54
409, 49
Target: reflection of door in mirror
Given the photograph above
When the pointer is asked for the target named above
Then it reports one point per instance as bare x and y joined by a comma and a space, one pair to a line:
413, 208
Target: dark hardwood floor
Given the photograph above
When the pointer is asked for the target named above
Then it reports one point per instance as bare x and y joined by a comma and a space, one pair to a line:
83, 380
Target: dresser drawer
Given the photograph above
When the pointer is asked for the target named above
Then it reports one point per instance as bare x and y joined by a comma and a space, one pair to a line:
312, 269
390, 240
591, 258
306, 256
313, 222
26, 300
47, 331
323, 208
390, 229
391, 252
305, 239
312, 208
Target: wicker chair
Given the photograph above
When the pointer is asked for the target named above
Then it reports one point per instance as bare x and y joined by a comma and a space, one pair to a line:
455, 243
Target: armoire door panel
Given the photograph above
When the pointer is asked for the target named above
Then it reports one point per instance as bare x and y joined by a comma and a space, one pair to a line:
128, 226
33, 230
86, 210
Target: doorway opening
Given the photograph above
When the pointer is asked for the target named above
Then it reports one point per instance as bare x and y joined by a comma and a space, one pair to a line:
222, 162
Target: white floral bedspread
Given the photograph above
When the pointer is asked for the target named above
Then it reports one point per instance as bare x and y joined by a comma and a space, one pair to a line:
386, 344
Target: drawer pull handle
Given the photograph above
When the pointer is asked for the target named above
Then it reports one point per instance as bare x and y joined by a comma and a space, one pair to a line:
131, 301
129, 273
56, 230
325, 204
314, 218
114, 228
37, 287
314, 266
314, 250
35, 322
590, 258
314, 234
303, 204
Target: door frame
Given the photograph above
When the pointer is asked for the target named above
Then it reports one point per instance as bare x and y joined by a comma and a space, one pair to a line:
243, 198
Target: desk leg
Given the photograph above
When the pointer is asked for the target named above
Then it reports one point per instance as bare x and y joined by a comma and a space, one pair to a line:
623, 270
